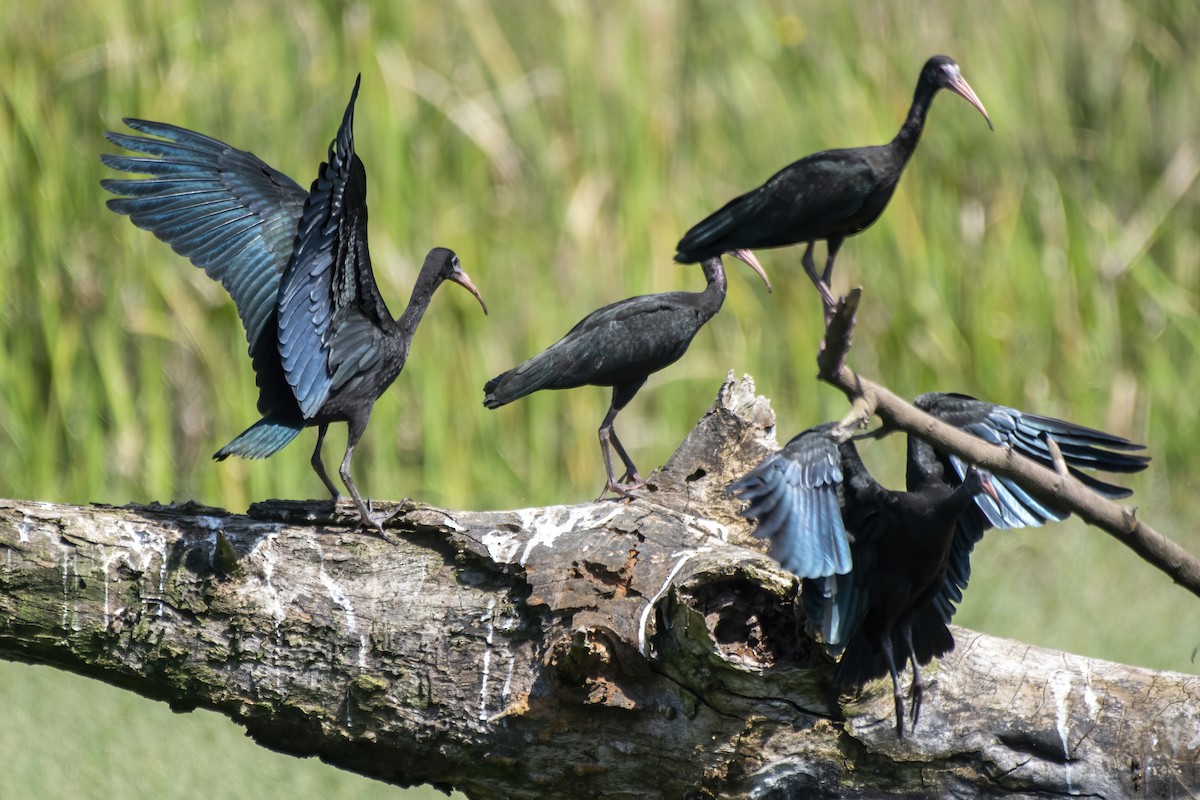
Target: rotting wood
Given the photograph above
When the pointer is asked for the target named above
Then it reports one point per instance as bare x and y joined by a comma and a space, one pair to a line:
612, 649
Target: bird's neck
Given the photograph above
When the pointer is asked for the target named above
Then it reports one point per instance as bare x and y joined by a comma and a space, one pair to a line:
910, 132
958, 502
407, 322
713, 295
924, 467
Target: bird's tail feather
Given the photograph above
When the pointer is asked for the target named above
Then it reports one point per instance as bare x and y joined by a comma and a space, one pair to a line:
264, 438
860, 662
697, 243
537, 373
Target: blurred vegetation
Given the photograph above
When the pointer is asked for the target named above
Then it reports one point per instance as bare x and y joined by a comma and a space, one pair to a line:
561, 149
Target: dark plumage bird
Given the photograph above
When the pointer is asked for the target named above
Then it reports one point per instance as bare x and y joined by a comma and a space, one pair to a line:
883, 570
825, 196
620, 346
322, 342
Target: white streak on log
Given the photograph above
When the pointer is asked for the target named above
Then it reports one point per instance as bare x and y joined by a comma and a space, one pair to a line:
488, 616
549, 523
108, 564
337, 593
1060, 689
1089, 696
266, 553
65, 556
645, 617
501, 547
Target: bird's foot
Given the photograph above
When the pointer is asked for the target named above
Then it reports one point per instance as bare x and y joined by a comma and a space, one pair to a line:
899, 698
623, 488
918, 694
830, 309
370, 524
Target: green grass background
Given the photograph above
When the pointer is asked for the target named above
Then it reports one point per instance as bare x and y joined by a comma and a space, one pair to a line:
561, 149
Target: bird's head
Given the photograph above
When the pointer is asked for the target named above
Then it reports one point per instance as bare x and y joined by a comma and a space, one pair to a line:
943, 72
449, 269
979, 481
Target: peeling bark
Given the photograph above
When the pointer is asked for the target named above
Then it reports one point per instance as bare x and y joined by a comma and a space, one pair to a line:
614, 649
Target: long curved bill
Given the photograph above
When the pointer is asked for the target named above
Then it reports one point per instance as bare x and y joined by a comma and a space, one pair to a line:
988, 488
751, 260
960, 87
462, 279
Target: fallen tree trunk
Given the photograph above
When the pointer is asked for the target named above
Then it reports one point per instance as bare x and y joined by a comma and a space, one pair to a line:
641, 649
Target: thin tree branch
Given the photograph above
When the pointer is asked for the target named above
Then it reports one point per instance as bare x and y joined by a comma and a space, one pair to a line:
1060, 490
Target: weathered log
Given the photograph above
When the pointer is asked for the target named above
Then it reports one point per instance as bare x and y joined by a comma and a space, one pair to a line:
615, 649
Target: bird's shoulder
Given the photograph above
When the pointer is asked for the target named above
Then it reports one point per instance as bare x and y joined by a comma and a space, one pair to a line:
636, 311
843, 165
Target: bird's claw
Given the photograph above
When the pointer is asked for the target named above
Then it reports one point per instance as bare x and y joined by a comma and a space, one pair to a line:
623, 488
918, 694
370, 524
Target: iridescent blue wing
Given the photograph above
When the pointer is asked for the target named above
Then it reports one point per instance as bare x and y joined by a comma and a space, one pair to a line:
225, 210
794, 496
329, 307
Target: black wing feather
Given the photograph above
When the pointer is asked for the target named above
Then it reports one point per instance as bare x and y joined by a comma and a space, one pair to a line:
328, 299
224, 209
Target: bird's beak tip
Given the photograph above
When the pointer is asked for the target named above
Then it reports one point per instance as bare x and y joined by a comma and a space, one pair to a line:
963, 89
989, 489
747, 257
463, 280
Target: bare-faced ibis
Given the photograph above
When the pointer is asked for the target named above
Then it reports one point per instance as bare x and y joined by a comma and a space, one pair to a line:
620, 346
322, 342
883, 570
825, 196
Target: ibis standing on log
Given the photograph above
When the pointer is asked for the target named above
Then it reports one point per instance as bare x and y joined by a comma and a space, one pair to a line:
322, 342
825, 196
620, 346
883, 570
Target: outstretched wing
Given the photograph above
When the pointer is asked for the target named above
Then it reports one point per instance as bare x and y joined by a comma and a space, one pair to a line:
224, 209
330, 311
794, 496
1081, 447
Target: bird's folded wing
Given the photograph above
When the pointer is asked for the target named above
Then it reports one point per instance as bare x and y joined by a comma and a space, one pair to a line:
329, 276
232, 215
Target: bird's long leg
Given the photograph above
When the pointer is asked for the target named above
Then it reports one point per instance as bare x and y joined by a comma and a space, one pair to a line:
832, 247
918, 683
364, 511
319, 465
631, 479
886, 645
605, 433
810, 269
344, 471
621, 396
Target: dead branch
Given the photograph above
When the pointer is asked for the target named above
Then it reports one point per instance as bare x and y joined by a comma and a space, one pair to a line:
1057, 488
